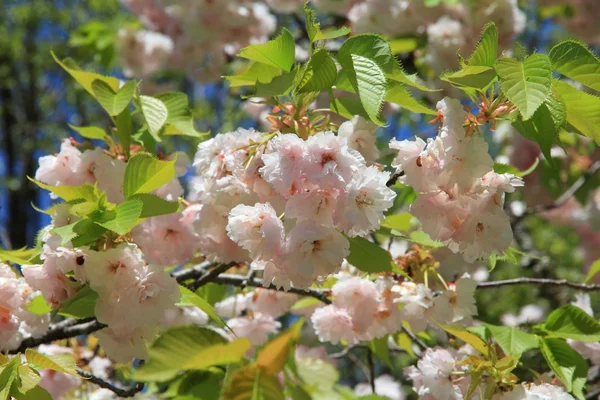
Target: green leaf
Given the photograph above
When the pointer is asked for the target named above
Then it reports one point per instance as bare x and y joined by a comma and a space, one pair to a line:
399, 222
28, 378
189, 298
368, 256
422, 238
369, 82
512, 340
70, 193
62, 362
189, 348
571, 322
8, 374
568, 365
487, 49
39, 306
406, 44
380, 348
348, 106
467, 337
212, 292
319, 375
273, 356
313, 27
372, 47
19, 256
154, 205
84, 231
84, 78
37, 393
594, 269
526, 83
280, 85
279, 52
574, 60
319, 74
254, 73
305, 302
155, 113
123, 218
114, 102
540, 129
250, 383
471, 76
583, 109
144, 173
180, 120
398, 94
124, 126
90, 132
81, 305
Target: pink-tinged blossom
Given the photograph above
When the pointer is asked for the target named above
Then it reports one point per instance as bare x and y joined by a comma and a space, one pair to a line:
122, 347
366, 199
168, 239
433, 376
359, 297
385, 386
177, 316
334, 324
257, 229
313, 204
56, 383
284, 164
213, 239
271, 302
417, 299
461, 200
456, 305
61, 169
232, 306
360, 135
110, 270
48, 278
256, 327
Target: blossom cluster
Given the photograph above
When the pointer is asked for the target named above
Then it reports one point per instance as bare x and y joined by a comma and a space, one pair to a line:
16, 321
282, 202
192, 35
439, 374
364, 310
461, 197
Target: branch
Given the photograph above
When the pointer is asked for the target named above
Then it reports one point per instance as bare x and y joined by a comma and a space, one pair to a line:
539, 281
241, 281
211, 275
193, 273
394, 178
132, 391
415, 338
59, 332
563, 198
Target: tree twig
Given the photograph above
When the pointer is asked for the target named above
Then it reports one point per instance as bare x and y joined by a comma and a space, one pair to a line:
415, 338
211, 275
539, 281
371, 364
394, 178
130, 392
239, 281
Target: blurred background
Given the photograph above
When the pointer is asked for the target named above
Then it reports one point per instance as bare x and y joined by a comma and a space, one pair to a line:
187, 45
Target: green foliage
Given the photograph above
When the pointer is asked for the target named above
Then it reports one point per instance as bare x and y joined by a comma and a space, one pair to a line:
85, 78
467, 337
273, 356
155, 113
144, 173
279, 52
250, 383
28, 378
19, 256
512, 340
62, 362
313, 27
189, 298
583, 109
399, 94
80, 305
70, 193
189, 348
381, 350
153, 205
319, 74
89, 132
526, 83
122, 218
114, 102
39, 306
8, 375
574, 60
571, 322
487, 49
399, 222
180, 120
594, 269
471, 76
568, 365
368, 257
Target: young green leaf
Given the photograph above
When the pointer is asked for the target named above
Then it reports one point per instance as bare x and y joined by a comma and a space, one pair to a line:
540, 129
189, 298
368, 256
122, 218
62, 362
89, 132
467, 337
124, 126
85, 78
399, 222
144, 173
571, 322
526, 83
28, 378
568, 365
8, 375
583, 109
189, 348
471, 76
254, 73
81, 305
250, 383
574, 60
114, 102
512, 340
279, 52
313, 27
381, 350
154, 205
155, 113
398, 94
319, 73
280, 85
273, 356
70, 193
487, 49
39, 306
594, 269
